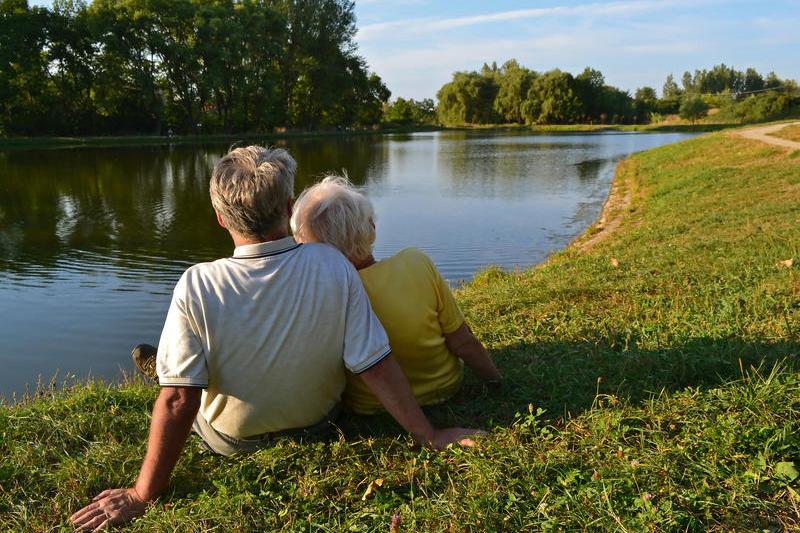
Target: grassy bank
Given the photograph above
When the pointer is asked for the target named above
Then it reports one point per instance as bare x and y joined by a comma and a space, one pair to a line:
790, 132
652, 384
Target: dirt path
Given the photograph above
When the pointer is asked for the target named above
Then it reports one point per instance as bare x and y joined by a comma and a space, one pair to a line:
762, 133
618, 202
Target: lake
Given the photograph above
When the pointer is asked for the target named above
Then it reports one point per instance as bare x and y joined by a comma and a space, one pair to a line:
92, 240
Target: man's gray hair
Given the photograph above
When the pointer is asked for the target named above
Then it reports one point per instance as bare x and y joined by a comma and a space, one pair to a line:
333, 211
251, 188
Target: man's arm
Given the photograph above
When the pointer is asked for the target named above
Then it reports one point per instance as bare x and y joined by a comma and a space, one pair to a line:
388, 383
463, 344
173, 415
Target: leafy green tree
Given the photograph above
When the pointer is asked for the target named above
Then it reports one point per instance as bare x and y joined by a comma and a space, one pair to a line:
687, 80
552, 99
125, 91
646, 95
670, 88
693, 108
589, 86
467, 99
514, 81
401, 111
410, 111
23, 68
70, 55
753, 81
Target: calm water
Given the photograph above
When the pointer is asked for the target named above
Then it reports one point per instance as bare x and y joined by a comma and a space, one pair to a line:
93, 240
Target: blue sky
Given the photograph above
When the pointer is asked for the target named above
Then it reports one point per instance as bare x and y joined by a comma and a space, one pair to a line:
416, 45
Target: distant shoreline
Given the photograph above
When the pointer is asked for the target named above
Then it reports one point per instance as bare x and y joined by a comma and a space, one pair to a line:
28, 143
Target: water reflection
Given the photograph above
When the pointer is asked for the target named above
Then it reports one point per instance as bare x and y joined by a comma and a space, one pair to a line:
93, 240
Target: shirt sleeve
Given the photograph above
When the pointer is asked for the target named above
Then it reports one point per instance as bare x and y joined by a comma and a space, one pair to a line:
181, 360
365, 340
450, 316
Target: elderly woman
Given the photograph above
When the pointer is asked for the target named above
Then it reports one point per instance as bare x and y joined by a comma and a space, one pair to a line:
427, 332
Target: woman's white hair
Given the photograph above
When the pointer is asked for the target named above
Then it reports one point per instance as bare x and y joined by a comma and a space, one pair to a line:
334, 212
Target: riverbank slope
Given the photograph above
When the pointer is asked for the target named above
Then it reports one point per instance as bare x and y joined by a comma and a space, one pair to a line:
652, 384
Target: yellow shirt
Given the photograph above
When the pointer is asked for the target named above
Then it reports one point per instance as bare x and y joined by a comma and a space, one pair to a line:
416, 308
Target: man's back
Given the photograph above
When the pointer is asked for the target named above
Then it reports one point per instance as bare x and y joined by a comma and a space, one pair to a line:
265, 331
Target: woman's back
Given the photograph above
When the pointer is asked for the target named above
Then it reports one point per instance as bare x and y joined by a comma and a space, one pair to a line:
416, 308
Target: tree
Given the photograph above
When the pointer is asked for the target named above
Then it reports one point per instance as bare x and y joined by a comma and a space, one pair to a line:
467, 99
410, 111
671, 89
552, 100
589, 86
23, 68
513, 84
753, 81
693, 108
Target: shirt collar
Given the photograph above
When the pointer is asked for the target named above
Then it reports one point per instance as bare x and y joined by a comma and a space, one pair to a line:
265, 249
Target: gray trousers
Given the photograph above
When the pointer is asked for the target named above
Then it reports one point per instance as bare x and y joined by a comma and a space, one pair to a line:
222, 444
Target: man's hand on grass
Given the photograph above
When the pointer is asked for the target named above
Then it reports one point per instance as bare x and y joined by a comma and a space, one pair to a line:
110, 507
444, 437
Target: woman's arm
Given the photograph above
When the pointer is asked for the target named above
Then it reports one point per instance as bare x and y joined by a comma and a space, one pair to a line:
467, 347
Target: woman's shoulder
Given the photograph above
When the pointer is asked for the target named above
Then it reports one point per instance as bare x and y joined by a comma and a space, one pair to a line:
412, 254
417, 261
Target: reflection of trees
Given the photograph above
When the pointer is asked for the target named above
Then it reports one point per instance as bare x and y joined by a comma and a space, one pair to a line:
131, 207
131, 201
590, 169
507, 167
315, 157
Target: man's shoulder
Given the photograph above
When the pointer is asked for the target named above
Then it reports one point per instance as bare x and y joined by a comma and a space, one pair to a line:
199, 270
322, 250
310, 257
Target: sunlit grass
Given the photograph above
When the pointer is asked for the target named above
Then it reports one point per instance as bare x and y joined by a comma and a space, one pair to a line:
790, 132
658, 391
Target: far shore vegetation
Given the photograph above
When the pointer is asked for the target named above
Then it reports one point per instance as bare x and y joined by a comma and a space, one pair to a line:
652, 385
126, 71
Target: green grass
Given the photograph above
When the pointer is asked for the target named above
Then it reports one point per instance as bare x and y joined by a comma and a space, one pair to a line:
661, 394
790, 132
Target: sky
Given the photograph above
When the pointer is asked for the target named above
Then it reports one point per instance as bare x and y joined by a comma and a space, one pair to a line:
416, 45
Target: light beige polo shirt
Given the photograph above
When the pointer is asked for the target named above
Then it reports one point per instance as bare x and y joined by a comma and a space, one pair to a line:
268, 333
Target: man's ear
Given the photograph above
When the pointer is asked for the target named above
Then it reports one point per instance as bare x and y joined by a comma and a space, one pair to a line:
219, 219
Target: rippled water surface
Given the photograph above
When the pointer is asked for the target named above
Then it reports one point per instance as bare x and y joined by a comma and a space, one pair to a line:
93, 239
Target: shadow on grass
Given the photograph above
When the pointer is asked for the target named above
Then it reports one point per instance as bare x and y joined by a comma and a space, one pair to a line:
561, 377
564, 378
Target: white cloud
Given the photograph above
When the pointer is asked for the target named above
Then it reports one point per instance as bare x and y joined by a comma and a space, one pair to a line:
428, 25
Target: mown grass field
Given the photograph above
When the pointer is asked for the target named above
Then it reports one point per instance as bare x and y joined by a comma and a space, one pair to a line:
790, 132
652, 385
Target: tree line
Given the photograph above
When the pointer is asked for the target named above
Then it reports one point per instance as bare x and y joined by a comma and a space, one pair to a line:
513, 93
188, 66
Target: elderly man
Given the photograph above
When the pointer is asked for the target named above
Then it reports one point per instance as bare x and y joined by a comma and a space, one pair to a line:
256, 345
